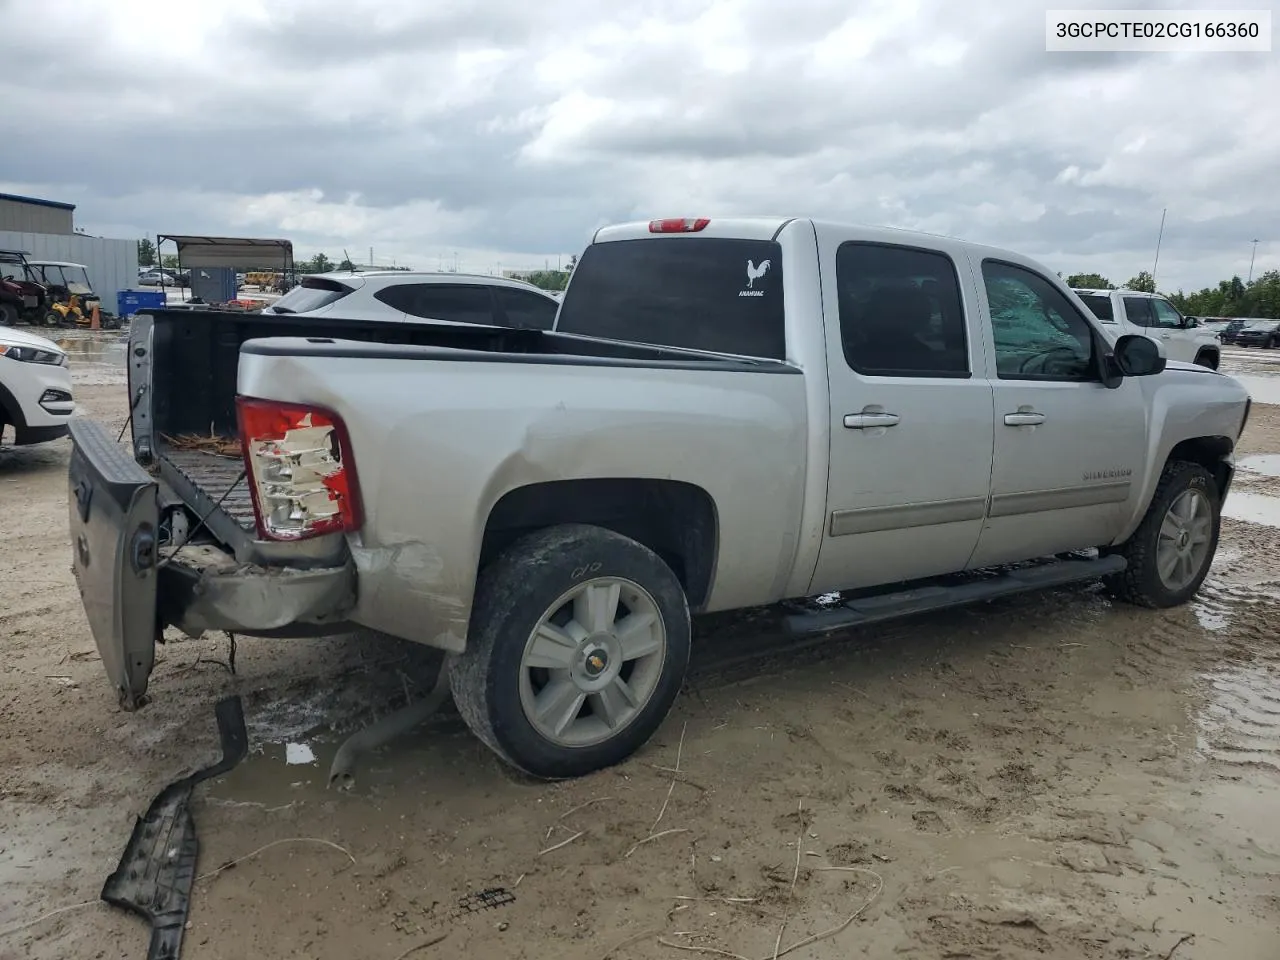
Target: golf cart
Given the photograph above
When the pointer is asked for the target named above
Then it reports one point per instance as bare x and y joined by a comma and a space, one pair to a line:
71, 299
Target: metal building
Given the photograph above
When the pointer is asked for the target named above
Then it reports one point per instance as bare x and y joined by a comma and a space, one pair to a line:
32, 215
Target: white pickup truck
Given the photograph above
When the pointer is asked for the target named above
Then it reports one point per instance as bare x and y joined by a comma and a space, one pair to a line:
728, 413
1132, 311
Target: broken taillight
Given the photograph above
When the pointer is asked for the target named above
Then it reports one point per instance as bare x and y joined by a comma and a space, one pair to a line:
300, 469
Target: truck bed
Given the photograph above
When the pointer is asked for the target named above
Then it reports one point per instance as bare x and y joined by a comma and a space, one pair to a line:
192, 368
218, 477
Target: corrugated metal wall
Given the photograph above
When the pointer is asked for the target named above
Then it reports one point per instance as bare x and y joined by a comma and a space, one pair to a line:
112, 264
35, 217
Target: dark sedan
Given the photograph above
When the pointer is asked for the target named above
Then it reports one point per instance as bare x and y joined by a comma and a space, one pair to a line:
1229, 333
1259, 333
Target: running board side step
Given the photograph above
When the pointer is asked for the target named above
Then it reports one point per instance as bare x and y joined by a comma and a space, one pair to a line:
931, 597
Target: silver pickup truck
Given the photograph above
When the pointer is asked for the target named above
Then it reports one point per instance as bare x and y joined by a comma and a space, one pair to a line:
728, 413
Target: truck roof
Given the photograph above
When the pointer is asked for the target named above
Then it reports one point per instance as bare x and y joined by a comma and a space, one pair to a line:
768, 228
1124, 290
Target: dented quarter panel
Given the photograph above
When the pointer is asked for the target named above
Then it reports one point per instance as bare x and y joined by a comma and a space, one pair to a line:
437, 443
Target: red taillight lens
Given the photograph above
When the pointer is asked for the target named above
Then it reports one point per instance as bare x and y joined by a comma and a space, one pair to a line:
678, 225
300, 469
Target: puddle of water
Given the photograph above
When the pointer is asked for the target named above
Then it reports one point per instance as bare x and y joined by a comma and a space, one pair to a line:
1211, 617
97, 359
1253, 508
1266, 464
1262, 388
298, 753
277, 774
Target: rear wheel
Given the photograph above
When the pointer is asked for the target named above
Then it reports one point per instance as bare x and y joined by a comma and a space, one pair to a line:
1171, 551
578, 646
8, 314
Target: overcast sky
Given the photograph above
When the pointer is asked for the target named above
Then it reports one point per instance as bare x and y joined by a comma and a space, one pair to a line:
507, 130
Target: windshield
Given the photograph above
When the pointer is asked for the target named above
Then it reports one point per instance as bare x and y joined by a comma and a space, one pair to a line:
77, 279
73, 277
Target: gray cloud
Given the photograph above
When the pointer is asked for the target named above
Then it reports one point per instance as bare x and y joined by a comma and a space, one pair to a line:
511, 130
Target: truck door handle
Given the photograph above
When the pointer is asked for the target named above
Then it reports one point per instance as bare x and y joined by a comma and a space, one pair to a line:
1023, 418
865, 421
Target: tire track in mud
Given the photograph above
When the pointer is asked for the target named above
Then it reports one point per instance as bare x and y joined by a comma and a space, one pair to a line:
1239, 723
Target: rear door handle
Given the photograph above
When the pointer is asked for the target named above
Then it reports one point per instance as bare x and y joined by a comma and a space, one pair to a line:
864, 421
1024, 419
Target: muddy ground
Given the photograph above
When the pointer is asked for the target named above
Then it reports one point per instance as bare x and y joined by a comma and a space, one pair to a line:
1052, 776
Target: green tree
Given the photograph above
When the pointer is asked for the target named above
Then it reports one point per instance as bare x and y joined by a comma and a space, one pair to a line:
549, 279
1143, 282
346, 265
317, 264
146, 253
1090, 281
573, 262
169, 261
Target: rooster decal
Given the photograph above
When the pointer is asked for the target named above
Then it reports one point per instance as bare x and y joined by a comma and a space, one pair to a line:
754, 273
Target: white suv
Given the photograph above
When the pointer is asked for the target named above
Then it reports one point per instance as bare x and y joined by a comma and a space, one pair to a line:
1132, 311
400, 296
35, 387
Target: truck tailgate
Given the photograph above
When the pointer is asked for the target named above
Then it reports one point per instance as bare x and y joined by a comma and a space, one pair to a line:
114, 514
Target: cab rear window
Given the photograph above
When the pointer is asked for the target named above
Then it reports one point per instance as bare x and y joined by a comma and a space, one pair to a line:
720, 295
1099, 306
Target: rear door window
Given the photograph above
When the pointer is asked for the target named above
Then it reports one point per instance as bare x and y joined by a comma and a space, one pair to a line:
704, 293
900, 312
453, 303
520, 308
1137, 310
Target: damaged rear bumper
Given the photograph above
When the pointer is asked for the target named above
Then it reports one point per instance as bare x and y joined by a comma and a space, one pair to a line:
133, 586
204, 588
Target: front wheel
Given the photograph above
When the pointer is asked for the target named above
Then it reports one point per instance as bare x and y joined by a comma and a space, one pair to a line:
577, 649
1171, 551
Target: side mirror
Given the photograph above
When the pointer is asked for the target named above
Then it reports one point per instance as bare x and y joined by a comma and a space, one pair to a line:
1137, 356
1190, 322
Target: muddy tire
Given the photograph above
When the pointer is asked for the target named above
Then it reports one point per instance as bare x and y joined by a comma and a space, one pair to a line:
578, 646
1171, 551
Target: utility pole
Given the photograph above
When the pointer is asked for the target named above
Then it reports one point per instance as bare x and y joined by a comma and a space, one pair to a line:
1251, 259
1158, 239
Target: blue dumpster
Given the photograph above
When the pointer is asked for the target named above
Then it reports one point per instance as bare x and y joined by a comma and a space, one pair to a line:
129, 302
